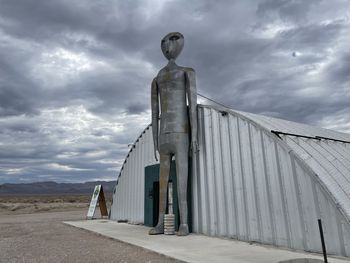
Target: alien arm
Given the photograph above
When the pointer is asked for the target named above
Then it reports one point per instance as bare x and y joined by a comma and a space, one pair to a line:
192, 102
155, 115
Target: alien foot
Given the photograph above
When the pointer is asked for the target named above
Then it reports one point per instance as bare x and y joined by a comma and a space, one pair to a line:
157, 230
183, 230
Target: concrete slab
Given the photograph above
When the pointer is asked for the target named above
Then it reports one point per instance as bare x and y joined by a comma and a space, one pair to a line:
194, 248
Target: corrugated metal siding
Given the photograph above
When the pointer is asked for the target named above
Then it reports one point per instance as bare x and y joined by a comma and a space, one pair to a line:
128, 197
250, 185
329, 159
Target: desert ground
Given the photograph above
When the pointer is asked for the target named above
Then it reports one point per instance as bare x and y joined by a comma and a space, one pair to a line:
26, 204
31, 230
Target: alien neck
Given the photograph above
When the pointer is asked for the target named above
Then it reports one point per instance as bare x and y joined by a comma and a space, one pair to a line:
171, 62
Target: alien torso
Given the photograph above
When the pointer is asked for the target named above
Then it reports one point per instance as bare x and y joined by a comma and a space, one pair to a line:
171, 83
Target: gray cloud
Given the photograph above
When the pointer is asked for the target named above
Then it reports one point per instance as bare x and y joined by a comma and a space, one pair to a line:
75, 75
296, 11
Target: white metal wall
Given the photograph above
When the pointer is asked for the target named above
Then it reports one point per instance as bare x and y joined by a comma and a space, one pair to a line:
128, 197
251, 186
328, 158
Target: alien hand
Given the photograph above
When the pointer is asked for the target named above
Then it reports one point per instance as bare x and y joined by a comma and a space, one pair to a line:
155, 152
194, 146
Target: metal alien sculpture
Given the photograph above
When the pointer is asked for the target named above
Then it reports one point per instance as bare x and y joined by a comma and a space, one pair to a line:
176, 133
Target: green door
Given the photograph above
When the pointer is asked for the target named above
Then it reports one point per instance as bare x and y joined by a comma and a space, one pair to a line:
152, 196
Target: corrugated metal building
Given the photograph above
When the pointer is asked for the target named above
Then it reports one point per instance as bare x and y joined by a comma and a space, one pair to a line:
256, 178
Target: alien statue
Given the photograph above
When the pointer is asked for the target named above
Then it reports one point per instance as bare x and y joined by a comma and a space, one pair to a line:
176, 134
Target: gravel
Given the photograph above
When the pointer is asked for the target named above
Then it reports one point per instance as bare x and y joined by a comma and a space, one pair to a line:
42, 237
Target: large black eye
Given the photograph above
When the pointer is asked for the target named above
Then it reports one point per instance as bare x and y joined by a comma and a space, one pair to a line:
174, 37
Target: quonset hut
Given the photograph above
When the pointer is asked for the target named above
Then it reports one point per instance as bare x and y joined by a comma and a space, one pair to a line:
255, 178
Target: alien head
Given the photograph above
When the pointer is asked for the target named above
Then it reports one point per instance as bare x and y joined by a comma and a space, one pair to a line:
172, 45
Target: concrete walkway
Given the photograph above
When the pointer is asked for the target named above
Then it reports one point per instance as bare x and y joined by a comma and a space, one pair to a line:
194, 248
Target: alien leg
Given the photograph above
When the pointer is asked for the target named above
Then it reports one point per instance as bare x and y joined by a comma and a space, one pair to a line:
163, 187
181, 157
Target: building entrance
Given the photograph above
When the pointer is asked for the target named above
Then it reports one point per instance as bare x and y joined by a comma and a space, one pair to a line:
152, 196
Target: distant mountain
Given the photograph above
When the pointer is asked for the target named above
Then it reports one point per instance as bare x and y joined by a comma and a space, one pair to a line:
55, 188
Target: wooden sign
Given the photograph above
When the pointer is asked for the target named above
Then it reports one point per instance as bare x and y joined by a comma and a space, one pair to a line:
97, 196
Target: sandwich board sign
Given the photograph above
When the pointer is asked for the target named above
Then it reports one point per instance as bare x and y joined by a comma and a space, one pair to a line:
97, 196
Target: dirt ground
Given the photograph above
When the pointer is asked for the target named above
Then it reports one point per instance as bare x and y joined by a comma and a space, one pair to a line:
11, 204
40, 236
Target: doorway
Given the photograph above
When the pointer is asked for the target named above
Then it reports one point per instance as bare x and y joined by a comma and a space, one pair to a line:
151, 200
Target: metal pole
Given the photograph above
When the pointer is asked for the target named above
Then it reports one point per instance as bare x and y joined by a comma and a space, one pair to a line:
322, 241
170, 198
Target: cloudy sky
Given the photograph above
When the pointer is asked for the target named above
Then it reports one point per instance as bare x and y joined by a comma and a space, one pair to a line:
75, 75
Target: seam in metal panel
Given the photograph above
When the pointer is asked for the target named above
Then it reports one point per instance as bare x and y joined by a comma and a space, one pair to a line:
224, 177
138, 178
212, 185
247, 234
346, 231
202, 179
127, 186
121, 194
207, 185
310, 212
263, 198
332, 238
235, 215
317, 206
253, 226
218, 174
290, 195
283, 193
239, 190
212, 175
127, 183
300, 209
138, 181
340, 233
276, 199
256, 191
250, 190
268, 190
130, 177
142, 181
133, 182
